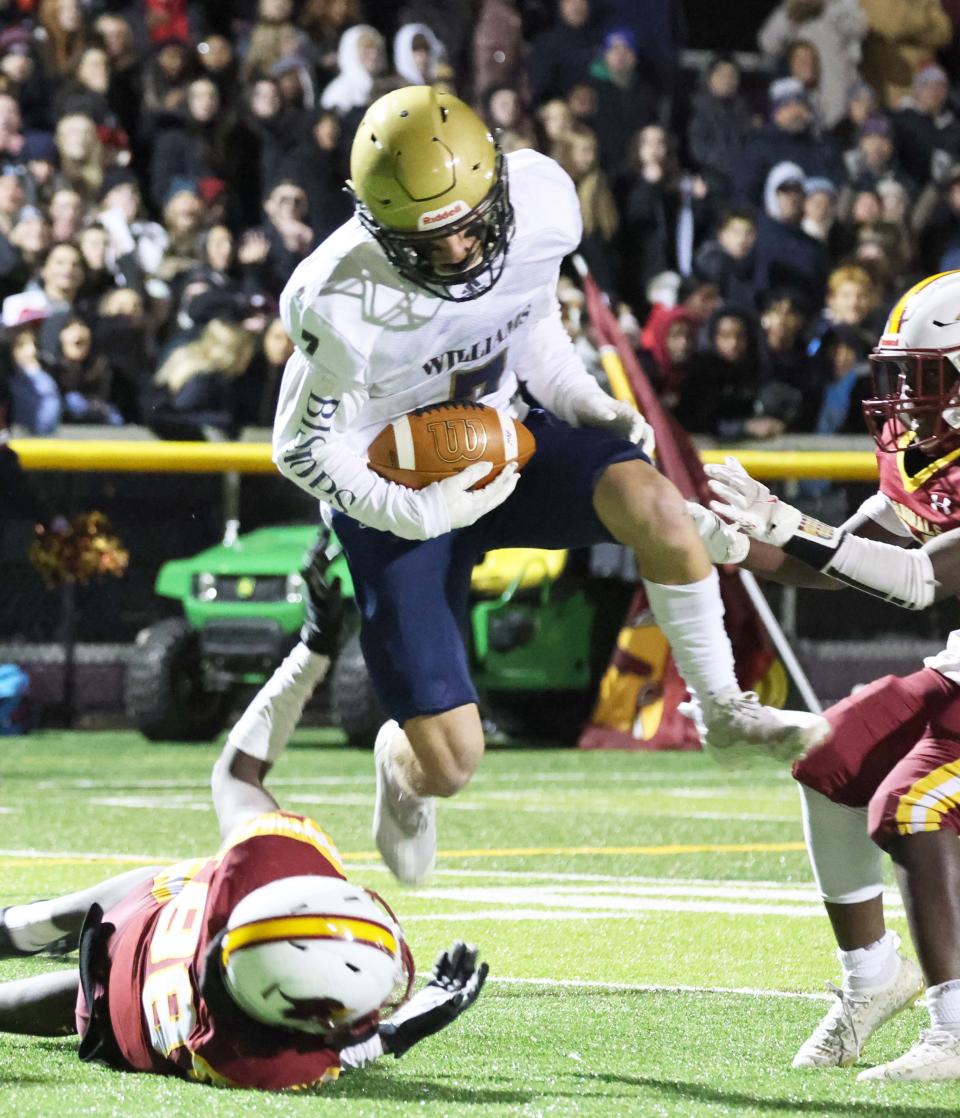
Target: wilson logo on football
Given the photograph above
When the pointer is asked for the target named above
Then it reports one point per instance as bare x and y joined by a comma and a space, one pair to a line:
458, 440
442, 216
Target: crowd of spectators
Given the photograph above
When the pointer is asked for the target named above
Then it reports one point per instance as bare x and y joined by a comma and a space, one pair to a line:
165, 164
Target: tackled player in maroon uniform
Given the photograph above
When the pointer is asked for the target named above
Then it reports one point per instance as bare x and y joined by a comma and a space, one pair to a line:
259, 967
890, 770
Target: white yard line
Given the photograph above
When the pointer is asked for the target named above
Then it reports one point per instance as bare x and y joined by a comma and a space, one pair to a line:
649, 988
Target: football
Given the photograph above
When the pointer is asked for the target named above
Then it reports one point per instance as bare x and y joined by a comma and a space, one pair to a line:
438, 441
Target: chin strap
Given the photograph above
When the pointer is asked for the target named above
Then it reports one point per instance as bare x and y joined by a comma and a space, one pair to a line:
899, 575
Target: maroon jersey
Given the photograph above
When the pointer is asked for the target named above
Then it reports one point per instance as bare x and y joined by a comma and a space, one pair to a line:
157, 1013
924, 492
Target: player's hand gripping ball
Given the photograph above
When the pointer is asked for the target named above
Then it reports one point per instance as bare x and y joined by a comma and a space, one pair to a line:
440, 440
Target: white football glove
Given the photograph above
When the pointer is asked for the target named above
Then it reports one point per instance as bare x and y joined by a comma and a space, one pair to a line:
449, 504
751, 505
597, 409
724, 542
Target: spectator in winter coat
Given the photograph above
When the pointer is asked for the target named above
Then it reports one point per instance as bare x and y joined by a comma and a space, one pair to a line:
719, 124
561, 55
874, 159
728, 259
788, 137
417, 54
83, 375
720, 394
786, 256
197, 148
626, 101
927, 130
319, 165
836, 29
362, 58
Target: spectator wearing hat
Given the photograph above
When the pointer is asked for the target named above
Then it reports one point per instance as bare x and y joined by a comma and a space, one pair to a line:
319, 166
626, 102
418, 54
862, 104
561, 55
902, 37
835, 29
183, 220
719, 124
927, 130
874, 159
362, 59
727, 259
38, 157
25, 79
787, 137
820, 213
295, 82
787, 256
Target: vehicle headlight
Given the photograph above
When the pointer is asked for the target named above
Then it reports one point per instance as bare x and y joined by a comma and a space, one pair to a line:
205, 587
293, 589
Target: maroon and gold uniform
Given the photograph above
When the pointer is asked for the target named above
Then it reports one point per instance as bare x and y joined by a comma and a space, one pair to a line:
895, 745
157, 1014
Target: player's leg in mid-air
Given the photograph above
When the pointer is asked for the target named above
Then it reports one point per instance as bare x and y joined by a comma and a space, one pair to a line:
583, 486
873, 732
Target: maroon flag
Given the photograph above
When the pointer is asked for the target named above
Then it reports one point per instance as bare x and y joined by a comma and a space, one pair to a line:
641, 690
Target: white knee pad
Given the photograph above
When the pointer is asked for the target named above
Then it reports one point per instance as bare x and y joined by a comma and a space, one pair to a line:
847, 865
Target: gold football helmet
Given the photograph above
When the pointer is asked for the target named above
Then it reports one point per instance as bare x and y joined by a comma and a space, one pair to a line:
424, 167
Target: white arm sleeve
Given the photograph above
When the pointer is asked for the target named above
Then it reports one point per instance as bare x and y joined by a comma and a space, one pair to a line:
316, 408
904, 577
553, 370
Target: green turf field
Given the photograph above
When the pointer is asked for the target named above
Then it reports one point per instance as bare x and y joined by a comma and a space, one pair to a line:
655, 944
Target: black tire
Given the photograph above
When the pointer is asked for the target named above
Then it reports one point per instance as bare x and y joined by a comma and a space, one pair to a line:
548, 716
164, 695
353, 704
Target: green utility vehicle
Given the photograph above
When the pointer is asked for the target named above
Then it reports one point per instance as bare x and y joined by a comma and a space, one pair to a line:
539, 635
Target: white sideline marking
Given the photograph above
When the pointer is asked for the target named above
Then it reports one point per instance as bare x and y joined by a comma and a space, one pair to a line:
650, 988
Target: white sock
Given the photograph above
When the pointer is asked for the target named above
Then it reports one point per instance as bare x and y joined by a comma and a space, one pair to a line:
31, 926
691, 617
265, 727
871, 967
394, 772
943, 1002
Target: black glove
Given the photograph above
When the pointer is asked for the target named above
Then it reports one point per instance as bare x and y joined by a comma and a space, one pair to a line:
455, 986
321, 627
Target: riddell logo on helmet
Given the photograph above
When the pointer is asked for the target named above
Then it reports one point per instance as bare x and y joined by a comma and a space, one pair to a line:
442, 216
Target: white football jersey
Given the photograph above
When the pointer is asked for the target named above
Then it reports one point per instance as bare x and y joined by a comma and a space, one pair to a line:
372, 346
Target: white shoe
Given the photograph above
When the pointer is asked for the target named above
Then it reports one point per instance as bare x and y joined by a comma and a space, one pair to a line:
853, 1018
738, 728
936, 1055
404, 826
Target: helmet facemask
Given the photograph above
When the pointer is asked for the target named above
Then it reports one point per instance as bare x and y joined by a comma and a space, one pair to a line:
916, 391
491, 223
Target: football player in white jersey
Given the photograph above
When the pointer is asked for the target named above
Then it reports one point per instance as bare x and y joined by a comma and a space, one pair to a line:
441, 288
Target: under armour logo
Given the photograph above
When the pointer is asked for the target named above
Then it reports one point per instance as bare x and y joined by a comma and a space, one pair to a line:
941, 503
